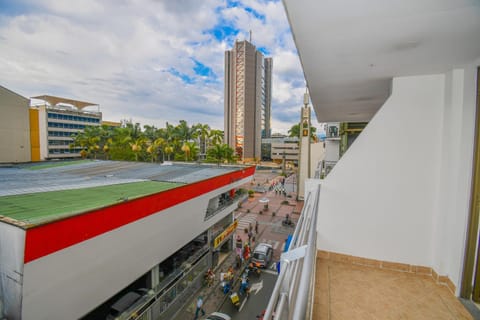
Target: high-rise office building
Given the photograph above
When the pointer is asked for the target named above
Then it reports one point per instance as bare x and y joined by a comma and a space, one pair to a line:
248, 83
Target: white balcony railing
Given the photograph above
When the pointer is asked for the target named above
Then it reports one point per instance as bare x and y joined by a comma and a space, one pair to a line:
292, 296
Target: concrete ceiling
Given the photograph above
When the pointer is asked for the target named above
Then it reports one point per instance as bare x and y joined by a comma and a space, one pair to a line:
351, 49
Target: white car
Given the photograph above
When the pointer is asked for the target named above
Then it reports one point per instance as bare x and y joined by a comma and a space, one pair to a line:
262, 255
218, 316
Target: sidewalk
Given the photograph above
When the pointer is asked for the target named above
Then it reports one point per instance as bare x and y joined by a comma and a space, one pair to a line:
213, 296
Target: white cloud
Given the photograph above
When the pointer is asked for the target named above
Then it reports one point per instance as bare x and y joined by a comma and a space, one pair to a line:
118, 53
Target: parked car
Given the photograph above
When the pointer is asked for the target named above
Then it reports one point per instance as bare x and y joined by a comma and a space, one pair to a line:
218, 316
262, 255
124, 306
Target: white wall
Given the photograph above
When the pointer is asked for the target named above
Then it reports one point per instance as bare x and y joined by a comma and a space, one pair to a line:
401, 191
79, 278
317, 154
12, 247
377, 202
454, 191
332, 150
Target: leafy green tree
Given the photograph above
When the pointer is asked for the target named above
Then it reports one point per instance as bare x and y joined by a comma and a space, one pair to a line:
216, 136
150, 132
219, 153
295, 132
183, 132
137, 146
168, 150
119, 148
202, 132
154, 148
89, 140
129, 142
190, 150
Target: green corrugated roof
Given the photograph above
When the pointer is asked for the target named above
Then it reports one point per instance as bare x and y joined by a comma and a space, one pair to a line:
36, 208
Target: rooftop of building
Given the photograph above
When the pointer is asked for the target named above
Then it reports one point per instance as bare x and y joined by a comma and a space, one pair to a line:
37, 193
53, 100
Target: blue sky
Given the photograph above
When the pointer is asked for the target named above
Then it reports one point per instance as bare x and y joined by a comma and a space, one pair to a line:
150, 61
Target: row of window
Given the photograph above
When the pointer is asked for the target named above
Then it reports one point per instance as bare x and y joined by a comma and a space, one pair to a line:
65, 125
72, 118
52, 133
64, 151
59, 142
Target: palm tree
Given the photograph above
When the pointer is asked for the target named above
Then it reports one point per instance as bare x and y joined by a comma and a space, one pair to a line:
190, 149
183, 132
168, 150
154, 147
150, 132
137, 146
121, 139
220, 153
88, 139
216, 136
106, 147
202, 131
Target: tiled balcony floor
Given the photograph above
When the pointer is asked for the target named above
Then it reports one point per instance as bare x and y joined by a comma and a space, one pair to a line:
347, 292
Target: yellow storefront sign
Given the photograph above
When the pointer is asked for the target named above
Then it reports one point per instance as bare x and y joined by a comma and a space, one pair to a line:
230, 229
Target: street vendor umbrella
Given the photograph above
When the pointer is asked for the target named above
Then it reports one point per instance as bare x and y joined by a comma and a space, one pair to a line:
265, 202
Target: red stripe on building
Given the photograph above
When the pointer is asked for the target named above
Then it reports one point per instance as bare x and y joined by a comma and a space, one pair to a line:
49, 238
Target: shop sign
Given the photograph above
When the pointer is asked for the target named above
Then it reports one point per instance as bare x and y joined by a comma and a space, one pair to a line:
230, 229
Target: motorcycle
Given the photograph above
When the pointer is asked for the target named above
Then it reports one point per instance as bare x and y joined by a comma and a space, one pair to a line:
235, 299
288, 222
253, 268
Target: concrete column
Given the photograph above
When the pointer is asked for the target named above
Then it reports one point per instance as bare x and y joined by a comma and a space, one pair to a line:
304, 156
154, 276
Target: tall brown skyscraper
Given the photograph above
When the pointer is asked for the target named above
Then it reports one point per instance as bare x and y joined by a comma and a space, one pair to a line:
248, 95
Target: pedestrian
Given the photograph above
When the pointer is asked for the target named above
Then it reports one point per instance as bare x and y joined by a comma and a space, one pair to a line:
250, 235
243, 285
199, 307
256, 227
250, 228
238, 261
238, 245
246, 252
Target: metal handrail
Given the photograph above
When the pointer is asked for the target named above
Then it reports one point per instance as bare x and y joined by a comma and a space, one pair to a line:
292, 296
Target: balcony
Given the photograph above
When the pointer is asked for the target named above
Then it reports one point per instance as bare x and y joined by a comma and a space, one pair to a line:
349, 287
353, 288
398, 215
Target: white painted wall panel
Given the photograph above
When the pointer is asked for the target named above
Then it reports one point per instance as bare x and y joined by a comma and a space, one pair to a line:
79, 278
450, 223
12, 246
332, 150
378, 200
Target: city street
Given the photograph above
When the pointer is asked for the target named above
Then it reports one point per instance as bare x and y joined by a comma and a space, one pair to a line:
268, 207
260, 291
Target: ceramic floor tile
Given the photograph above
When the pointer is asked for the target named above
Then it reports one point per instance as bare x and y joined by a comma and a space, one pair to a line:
346, 291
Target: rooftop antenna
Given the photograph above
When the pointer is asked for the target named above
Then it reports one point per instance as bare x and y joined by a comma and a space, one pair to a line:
250, 36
